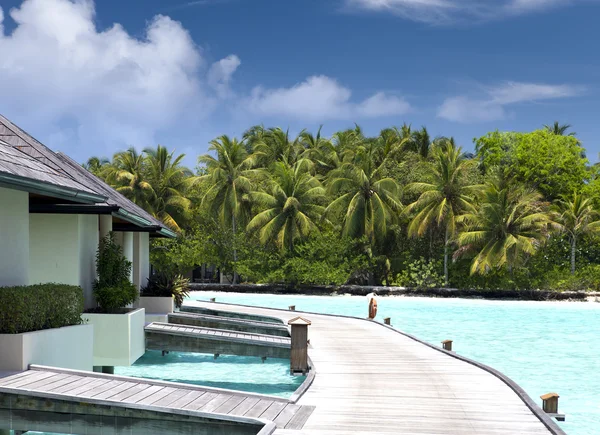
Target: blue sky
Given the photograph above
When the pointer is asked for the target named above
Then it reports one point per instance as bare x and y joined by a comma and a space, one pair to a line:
92, 78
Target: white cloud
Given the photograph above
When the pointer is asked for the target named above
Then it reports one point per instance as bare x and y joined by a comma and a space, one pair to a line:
321, 98
220, 74
448, 11
492, 105
103, 89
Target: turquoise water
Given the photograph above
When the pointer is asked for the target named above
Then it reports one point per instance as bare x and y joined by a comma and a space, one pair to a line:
232, 372
543, 346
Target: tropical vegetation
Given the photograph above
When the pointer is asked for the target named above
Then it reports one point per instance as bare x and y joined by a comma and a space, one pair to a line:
401, 207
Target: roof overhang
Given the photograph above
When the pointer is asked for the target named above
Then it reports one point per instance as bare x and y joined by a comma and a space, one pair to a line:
16, 182
73, 208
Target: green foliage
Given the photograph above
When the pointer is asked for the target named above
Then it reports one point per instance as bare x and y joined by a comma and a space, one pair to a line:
586, 278
40, 306
553, 164
256, 207
168, 284
112, 289
420, 274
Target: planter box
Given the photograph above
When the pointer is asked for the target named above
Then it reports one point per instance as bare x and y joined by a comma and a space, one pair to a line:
118, 338
156, 304
71, 347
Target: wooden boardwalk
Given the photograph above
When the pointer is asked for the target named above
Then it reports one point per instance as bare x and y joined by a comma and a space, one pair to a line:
183, 338
231, 324
371, 379
86, 390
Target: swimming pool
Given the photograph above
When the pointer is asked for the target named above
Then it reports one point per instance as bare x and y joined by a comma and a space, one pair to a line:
543, 346
232, 372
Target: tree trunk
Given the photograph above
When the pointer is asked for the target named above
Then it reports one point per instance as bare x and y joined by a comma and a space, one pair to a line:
573, 251
235, 276
446, 258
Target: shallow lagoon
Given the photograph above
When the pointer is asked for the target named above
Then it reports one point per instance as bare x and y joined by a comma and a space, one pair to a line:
543, 346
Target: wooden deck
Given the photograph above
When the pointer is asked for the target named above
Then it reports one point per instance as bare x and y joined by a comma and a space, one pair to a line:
87, 392
183, 338
373, 379
231, 324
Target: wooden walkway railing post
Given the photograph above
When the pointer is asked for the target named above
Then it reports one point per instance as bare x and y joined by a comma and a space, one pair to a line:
299, 345
447, 345
550, 405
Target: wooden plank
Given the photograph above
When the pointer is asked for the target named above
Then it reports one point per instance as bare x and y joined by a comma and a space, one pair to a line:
286, 415
114, 390
171, 397
201, 401
22, 382
157, 396
134, 389
300, 417
259, 408
228, 406
143, 394
186, 399
245, 406
107, 386
273, 411
215, 402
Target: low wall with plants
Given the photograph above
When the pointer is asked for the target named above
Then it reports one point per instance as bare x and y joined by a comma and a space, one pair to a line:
358, 290
38, 307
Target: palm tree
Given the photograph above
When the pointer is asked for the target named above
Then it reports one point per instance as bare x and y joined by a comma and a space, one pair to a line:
229, 177
559, 129
443, 199
371, 202
421, 142
170, 182
508, 226
576, 217
275, 145
126, 173
291, 205
96, 164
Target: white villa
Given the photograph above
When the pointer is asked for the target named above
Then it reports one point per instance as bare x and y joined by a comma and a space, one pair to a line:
53, 213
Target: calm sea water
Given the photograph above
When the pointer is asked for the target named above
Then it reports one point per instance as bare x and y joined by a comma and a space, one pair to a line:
543, 346
232, 372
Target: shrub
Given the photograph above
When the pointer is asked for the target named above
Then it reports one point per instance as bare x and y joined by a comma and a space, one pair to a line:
420, 274
586, 278
168, 284
41, 306
112, 288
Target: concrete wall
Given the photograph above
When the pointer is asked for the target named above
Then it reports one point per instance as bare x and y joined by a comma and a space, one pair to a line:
70, 347
125, 240
141, 259
88, 246
157, 304
14, 237
118, 338
54, 249
62, 249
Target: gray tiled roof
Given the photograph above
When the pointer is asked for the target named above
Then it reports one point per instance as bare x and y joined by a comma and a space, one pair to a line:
22, 155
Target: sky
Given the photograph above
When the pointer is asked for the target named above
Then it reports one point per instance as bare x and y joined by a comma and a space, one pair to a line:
92, 78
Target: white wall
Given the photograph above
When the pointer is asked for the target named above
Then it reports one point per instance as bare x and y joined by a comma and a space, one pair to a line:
71, 347
54, 249
88, 245
14, 237
141, 259
125, 240
62, 249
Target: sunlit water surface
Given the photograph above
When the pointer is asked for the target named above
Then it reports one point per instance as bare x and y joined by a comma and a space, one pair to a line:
543, 346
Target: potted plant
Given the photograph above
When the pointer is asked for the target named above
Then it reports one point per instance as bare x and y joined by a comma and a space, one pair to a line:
41, 324
164, 289
118, 328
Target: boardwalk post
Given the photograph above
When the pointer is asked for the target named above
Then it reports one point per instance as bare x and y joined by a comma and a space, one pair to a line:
550, 405
447, 345
299, 345
387, 320
292, 307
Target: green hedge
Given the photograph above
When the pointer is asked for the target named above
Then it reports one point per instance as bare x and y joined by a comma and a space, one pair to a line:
41, 306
